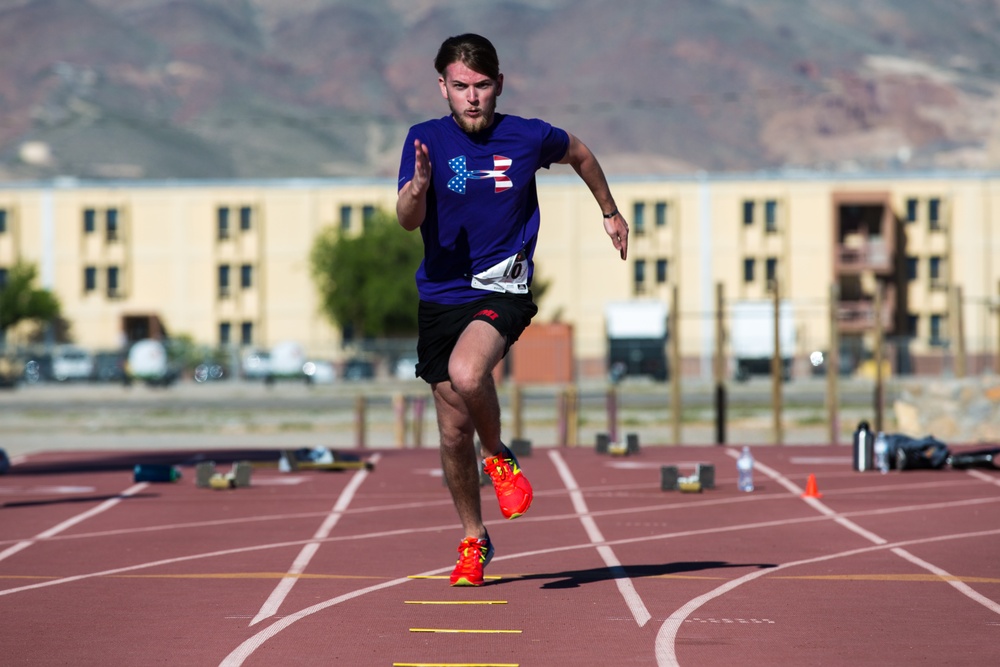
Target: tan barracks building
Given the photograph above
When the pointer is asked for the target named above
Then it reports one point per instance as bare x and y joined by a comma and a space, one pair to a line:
227, 262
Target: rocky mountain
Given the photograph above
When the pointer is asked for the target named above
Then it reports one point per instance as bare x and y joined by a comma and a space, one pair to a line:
192, 89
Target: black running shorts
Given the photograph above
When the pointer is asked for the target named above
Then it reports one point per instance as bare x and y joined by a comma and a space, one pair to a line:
441, 325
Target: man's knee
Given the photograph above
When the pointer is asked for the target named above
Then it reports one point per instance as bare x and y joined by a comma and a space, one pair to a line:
468, 378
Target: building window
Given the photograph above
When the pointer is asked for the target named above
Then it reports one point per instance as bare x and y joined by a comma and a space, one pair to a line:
748, 213
911, 268
911, 210
661, 214
222, 221
89, 221
223, 281
639, 217
771, 216
111, 222
3, 221
367, 213
3, 278
246, 333
661, 271
912, 322
89, 279
113, 288
934, 215
937, 324
245, 219
748, 270
935, 271
640, 276
771, 271
345, 218
225, 333
246, 276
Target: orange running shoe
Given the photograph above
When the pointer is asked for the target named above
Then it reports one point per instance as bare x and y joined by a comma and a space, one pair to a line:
512, 487
473, 555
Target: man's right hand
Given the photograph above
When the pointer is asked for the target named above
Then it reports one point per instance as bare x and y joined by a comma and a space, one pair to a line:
411, 203
421, 169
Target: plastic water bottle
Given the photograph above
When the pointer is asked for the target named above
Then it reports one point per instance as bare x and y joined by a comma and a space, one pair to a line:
881, 453
744, 466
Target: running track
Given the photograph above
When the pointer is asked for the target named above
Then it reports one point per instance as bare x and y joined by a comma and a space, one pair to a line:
318, 568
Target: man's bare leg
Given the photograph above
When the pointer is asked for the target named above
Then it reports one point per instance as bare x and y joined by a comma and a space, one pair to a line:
478, 351
458, 458
465, 405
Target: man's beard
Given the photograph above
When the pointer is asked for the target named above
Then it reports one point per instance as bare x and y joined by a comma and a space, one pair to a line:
473, 125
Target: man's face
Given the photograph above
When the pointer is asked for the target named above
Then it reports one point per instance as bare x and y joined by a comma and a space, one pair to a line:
472, 96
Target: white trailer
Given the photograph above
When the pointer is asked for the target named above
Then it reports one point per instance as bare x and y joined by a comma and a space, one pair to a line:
751, 338
637, 338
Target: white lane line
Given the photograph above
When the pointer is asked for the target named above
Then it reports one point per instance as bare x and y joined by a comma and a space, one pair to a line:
301, 562
980, 475
69, 523
754, 497
666, 655
666, 637
625, 585
950, 579
525, 554
246, 649
813, 502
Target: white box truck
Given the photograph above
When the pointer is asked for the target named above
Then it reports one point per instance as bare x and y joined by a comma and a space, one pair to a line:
637, 338
751, 336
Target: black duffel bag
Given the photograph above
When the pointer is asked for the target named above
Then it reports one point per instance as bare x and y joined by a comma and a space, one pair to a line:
906, 453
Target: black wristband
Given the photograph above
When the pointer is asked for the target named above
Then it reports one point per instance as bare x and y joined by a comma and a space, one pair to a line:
612, 214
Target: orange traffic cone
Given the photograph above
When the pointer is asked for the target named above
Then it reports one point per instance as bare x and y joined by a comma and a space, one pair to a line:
811, 490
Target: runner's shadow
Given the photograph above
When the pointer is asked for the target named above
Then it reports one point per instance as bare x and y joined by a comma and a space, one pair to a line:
576, 578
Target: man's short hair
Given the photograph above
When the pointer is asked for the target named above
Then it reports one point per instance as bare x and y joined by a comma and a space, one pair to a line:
474, 51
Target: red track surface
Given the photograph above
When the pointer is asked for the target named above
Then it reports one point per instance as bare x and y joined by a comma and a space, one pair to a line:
316, 568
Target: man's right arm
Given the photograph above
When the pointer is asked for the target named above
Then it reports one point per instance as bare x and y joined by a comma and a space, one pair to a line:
411, 202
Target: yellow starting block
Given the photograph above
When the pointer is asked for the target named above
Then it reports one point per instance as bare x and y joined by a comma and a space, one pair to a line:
207, 478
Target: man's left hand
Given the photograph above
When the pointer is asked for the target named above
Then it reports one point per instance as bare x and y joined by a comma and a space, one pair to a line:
617, 229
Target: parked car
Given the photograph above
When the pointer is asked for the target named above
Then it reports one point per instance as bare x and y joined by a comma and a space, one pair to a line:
148, 361
209, 371
110, 367
406, 368
319, 372
358, 369
11, 370
256, 364
71, 363
38, 368
819, 360
286, 362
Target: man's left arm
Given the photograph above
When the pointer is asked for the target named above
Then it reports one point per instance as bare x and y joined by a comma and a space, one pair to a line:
586, 165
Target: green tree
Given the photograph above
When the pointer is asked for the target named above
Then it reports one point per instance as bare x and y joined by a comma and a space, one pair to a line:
365, 282
20, 300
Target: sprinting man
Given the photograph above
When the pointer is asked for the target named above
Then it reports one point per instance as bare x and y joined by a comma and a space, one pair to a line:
467, 181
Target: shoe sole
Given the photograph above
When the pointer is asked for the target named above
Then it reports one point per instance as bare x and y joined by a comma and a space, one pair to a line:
465, 582
514, 515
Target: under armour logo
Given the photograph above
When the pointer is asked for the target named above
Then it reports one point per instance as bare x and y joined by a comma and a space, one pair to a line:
463, 174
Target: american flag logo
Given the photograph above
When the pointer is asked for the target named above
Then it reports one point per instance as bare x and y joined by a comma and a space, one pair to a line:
463, 174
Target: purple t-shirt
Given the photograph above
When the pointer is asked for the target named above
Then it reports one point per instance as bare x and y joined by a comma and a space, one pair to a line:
482, 207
